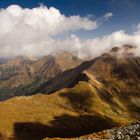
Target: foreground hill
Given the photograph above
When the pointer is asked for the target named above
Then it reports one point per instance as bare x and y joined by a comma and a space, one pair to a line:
68, 113
65, 114
98, 94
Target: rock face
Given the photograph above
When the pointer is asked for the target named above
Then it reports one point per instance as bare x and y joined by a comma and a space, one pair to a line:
130, 132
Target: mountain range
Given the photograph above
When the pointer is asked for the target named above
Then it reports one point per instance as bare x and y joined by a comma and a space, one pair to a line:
22, 75
63, 96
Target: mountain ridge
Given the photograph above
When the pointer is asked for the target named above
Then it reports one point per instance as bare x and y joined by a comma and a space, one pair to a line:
96, 95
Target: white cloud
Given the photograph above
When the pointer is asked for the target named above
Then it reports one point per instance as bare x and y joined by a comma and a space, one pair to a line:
34, 32
108, 15
41, 19
90, 47
96, 46
104, 18
26, 30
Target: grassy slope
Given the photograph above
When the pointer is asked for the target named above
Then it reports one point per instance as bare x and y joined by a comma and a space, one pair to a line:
76, 107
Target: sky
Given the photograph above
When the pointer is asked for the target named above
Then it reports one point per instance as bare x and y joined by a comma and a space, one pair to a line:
40, 27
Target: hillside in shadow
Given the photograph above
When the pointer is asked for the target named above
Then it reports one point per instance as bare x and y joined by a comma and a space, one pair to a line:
78, 101
64, 126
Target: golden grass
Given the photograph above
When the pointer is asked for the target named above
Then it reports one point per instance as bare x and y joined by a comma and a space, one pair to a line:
84, 99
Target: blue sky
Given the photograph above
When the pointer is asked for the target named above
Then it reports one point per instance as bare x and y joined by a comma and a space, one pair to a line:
125, 12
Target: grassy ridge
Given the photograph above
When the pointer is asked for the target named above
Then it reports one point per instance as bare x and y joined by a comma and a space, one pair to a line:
66, 110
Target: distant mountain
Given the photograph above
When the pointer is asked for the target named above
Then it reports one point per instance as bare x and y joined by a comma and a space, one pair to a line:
22, 75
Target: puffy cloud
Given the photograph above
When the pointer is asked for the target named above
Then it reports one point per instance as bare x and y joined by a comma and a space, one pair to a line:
30, 30
41, 20
36, 32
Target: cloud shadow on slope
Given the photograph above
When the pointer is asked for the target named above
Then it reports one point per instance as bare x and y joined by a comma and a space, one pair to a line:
64, 126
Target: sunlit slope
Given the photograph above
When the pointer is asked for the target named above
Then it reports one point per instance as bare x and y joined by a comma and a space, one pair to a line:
67, 113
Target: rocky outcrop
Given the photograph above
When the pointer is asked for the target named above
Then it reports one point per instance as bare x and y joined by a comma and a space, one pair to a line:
130, 132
